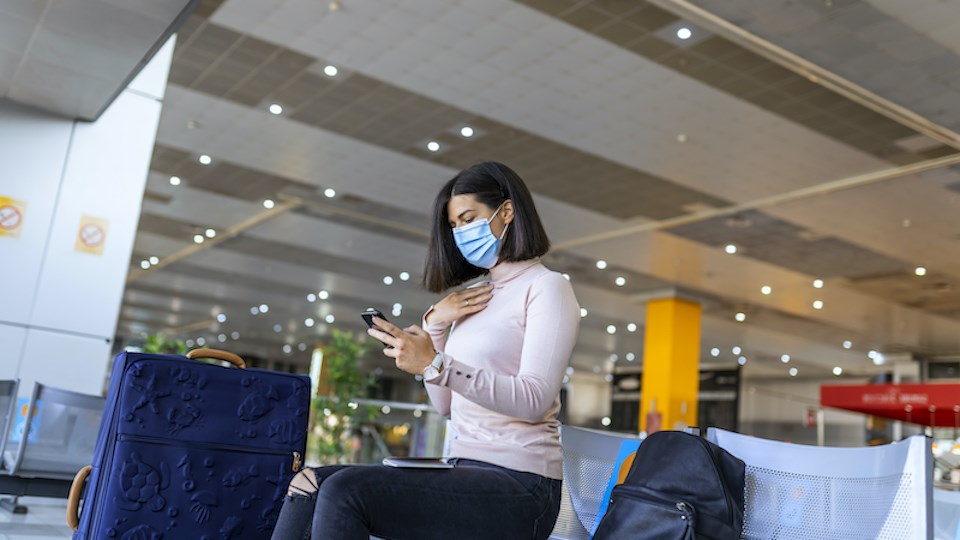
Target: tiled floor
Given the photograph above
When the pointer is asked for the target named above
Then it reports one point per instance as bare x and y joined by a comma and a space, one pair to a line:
45, 520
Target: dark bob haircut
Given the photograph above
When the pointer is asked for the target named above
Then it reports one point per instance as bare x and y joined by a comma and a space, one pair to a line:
491, 183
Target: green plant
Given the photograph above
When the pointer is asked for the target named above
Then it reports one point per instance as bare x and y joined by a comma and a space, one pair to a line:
336, 416
161, 344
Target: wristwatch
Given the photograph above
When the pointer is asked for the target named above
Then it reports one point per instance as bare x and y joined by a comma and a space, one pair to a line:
435, 367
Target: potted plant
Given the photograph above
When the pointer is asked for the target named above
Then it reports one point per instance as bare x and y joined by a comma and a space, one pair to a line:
336, 416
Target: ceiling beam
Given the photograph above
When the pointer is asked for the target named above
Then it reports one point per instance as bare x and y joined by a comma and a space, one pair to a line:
813, 72
825, 188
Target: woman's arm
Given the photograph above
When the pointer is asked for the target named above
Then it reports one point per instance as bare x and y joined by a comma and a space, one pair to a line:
552, 322
439, 396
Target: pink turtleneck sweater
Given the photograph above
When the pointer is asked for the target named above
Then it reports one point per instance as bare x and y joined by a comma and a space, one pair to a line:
503, 369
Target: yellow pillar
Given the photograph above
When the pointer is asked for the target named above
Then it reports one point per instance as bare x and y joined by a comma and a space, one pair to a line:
671, 364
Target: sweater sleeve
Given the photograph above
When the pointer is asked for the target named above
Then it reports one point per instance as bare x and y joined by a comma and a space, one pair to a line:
440, 397
552, 323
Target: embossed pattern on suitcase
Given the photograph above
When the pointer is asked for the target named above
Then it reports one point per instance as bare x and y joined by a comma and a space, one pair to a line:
188, 449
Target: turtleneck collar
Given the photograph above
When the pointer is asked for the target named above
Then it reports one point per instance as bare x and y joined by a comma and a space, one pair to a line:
506, 271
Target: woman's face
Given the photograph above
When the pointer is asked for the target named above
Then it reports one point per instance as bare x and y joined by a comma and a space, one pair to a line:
464, 209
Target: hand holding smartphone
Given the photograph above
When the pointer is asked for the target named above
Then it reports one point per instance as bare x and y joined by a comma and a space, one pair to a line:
368, 316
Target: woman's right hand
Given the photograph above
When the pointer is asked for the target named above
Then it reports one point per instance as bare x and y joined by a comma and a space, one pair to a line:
459, 304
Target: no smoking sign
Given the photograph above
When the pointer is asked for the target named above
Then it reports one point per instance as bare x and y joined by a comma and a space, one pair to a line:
91, 235
11, 216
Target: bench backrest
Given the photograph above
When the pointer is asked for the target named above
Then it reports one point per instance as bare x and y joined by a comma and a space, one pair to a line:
810, 492
54, 434
589, 458
8, 402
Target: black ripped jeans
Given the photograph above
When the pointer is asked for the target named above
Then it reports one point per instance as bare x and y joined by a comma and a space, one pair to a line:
473, 500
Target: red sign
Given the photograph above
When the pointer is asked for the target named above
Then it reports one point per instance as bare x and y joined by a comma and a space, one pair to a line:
932, 404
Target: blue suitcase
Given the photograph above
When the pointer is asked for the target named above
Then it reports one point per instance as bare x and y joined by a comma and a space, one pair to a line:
191, 450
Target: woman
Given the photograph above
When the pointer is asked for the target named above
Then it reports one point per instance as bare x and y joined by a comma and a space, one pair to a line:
493, 358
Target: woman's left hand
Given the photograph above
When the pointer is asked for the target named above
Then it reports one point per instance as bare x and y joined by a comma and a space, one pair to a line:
411, 347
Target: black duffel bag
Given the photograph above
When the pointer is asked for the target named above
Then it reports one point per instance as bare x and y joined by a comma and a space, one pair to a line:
680, 487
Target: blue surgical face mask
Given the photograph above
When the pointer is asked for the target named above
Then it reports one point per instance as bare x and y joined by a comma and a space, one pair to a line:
478, 244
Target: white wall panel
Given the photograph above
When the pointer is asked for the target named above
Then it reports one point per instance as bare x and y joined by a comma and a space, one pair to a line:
33, 146
11, 343
105, 177
64, 361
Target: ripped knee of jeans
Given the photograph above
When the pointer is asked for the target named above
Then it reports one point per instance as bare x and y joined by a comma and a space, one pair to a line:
304, 484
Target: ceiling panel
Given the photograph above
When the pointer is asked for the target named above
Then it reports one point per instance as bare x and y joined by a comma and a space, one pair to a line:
384, 114
73, 58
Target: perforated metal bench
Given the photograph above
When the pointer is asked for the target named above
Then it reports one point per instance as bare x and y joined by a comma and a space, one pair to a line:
56, 437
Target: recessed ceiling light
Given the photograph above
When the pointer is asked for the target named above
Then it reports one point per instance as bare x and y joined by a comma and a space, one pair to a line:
631, 327
793, 372
311, 297
611, 329
433, 146
620, 281
766, 290
818, 284
740, 316
287, 349
277, 328
302, 346
205, 159
330, 318
404, 276
331, 71
387, 280
268, 204
583, 312
614, 357
684, 33
785, 358
818, 304
605, 421
596, 369
264, 308
730, 248
714, 352
736, 350
210, 233
323, 295
221, 318
920, 271
189, 343
398, 305
144, 264
329, 193
682, 138
154, 260
309, 322
631, 357
276, 108
466, 131
847, 344
254, 310
198, 238
742, 360
174, 180
221, 338
878, 359
234, 335
872, 353
837, 371
201, 341
601, 264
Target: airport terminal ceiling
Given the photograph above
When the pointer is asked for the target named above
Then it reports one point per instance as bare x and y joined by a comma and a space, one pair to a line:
328, 127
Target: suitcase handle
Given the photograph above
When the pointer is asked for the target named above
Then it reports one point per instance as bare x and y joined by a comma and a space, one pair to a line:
219, 355
73, 501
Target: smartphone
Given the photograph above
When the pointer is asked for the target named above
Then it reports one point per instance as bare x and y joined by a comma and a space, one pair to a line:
368, 316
